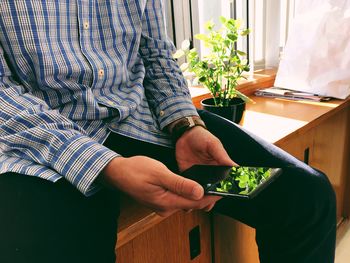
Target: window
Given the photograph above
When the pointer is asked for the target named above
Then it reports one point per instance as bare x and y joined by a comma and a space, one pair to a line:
269, 20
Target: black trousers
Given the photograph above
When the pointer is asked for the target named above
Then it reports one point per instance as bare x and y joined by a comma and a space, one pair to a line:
295, 217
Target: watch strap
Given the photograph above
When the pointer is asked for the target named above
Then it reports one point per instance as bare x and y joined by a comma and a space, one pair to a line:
184, 124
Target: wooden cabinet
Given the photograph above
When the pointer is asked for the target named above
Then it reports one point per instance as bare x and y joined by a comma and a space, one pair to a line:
326, 147
170, 241
234, 241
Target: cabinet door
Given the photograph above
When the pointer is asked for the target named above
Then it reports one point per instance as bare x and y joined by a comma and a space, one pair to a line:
346, 211
169, 241
325, 147
234, 241
330, 153
300, 145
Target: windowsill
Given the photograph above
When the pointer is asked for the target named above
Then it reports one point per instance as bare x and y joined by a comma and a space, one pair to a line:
277, 120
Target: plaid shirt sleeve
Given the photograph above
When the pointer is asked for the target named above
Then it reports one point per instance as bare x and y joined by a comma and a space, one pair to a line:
166, 88
30, 130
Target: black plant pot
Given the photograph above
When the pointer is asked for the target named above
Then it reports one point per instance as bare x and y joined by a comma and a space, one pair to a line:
233, 112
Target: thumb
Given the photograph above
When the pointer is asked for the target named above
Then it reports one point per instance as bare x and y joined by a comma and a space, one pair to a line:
182, 186
218, 153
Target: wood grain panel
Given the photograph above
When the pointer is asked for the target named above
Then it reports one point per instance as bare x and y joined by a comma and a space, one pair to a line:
328, 148
297, 145
329, 154
234, 241
134, 220
346, 211
169, 241
278, 120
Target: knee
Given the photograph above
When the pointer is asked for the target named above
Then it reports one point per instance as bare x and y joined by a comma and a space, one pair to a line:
324, 187
322, 198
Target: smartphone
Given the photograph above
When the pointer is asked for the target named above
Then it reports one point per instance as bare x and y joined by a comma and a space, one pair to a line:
237, 181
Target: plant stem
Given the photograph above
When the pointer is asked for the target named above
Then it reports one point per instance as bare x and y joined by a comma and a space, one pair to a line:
226, 100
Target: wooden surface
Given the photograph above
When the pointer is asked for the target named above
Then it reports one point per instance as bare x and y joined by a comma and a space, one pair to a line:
134, 220
276, 120
328, 148
330, 135
169, 241
346, 208
234, 241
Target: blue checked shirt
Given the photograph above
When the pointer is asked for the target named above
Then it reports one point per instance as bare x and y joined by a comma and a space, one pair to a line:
72, 71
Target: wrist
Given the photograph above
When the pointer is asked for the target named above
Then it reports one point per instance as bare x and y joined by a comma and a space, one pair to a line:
110, 171
177, 128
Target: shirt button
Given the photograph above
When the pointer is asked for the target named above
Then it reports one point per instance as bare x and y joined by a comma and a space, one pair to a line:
101, 73
86, 25
161, 113
113, 126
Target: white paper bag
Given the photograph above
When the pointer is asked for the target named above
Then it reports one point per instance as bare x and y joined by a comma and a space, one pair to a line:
316, 58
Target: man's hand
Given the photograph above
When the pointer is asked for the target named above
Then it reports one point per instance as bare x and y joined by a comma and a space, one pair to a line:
199, 146
150, 182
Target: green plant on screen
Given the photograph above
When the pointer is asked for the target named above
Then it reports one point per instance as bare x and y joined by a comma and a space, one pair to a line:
247, 179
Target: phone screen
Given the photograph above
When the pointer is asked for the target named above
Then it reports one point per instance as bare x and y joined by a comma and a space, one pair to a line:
241, 181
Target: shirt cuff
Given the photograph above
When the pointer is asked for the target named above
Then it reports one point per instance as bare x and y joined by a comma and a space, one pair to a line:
80, 160
174, 108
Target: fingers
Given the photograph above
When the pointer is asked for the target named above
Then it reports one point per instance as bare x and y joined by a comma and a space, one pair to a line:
182, 194
176, 202
209, 207
220, 155
182, 186
172, 203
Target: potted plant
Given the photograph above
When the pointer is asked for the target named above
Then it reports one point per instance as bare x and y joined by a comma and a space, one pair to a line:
220, 69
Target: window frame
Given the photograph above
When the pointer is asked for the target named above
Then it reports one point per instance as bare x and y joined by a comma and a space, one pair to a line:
184, 20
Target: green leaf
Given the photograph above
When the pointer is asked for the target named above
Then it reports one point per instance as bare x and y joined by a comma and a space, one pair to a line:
242, 184
222, 19
241, 53
209, 25
245, 32
178, 54
192, 55
231, 23
184, 66
227, 42
185, 45
233, 37
202, 79
202, 37
245, 192
238, 23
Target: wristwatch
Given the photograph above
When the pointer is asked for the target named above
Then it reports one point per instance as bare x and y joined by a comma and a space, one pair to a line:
179, 127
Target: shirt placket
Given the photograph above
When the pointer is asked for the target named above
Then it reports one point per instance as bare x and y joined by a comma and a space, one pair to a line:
86, 18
